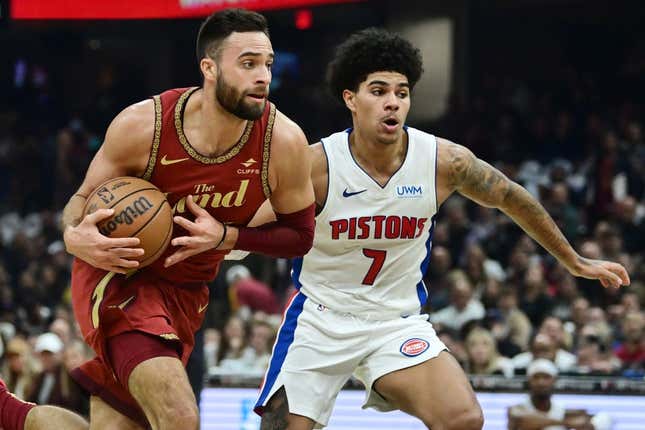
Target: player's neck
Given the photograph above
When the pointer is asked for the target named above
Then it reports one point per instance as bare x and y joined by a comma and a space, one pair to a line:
378, 159
211, 129
541, 403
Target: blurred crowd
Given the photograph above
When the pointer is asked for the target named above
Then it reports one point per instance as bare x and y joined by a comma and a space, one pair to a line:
496, 298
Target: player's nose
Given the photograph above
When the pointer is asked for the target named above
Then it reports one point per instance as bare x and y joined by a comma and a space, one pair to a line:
392, 102
263, 76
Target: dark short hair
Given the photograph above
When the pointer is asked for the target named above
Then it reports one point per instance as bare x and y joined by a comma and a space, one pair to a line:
220, 25
368, 51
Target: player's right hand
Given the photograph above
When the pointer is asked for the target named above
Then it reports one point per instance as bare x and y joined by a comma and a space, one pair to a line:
112, 254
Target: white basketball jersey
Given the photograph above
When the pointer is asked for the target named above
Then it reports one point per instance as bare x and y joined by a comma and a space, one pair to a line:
372, 243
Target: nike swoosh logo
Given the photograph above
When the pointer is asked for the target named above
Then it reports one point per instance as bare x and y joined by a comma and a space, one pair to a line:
166, 162
123, 304
348, 194
202, 308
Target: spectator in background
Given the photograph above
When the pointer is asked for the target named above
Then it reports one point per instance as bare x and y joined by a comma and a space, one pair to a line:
258, 352
632, 229
540, 412
630, 302
631, 351
593, 354
579, 312
543, 346
253, 358
247, 292
233, 340
564, 214
72, 396
18, 370
463, 306
61, 328
483, 357
454, 344
535, 302
566, 292
212, 340
518, 324
46, 386
553, 327
608, 164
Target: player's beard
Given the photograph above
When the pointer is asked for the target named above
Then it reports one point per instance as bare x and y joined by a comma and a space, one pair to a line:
230, 99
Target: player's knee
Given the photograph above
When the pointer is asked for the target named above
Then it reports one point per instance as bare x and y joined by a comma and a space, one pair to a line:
471, 419
178, 414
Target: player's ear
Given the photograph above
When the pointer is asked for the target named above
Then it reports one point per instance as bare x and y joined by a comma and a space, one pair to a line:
208, 68
349, 97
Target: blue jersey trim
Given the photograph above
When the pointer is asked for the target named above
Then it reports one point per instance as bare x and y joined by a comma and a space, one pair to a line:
282, 344
422, 291
295, 272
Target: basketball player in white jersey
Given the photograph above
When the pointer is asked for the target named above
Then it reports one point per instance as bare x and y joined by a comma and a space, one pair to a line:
378, 187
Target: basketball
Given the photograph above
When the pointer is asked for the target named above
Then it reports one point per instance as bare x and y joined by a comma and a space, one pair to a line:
140, 210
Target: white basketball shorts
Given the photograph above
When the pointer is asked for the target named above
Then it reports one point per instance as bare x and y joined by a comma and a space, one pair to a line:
318, 349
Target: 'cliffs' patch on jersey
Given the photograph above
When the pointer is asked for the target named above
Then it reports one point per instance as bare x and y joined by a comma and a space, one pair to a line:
409, 191
413, 347
377, 227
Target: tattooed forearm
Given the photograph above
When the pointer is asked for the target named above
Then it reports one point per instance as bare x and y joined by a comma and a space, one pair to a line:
481, 182
529, 214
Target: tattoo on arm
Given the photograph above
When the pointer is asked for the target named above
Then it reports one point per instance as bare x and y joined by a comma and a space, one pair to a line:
475, 178
276, 412
481, 182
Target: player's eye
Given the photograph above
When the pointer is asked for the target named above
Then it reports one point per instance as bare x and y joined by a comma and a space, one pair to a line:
403, 94
269, 66
247, 64
377, 91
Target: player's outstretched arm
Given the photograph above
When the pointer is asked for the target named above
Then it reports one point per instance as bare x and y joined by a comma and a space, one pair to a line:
461, 171
125, 151
292, 201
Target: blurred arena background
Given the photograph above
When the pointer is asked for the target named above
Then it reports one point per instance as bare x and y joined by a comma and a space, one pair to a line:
550, 91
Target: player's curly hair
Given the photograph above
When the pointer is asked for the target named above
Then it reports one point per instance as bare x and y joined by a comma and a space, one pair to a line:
368, 51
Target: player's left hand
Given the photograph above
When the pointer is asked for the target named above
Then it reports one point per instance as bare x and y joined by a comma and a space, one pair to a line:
205, 233
609, 274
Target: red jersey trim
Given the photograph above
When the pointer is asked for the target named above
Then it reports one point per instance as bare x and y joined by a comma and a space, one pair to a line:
155, 140
268, 134
179, 126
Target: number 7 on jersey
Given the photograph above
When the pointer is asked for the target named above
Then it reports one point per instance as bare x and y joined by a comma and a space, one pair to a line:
378, 257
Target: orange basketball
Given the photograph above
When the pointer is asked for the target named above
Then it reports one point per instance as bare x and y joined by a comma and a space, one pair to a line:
140, 210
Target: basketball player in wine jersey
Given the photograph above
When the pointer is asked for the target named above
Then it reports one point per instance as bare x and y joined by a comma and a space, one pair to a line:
218, 152
378, 187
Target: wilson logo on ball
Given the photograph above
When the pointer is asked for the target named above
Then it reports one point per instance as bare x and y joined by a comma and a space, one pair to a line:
127, 215
413, 347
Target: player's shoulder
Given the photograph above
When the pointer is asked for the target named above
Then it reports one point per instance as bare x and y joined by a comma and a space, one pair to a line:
287, 135
133, 125
451, 152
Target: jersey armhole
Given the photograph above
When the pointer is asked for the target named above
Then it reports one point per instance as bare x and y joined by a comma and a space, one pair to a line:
156, 139
436, 160
266, 152
329, 182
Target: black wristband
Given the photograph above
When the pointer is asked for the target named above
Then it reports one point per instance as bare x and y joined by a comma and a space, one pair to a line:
223, 237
